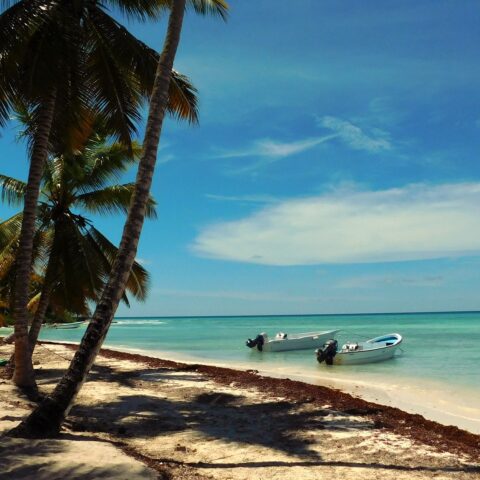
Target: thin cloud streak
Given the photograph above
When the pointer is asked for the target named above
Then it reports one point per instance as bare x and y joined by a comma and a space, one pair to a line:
276, 149
243, 198
354, 137
235, 295
375, 281
411, 223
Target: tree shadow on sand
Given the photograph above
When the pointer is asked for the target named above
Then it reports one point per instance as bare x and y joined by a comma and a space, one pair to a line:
274, 424
56, 459
127, 378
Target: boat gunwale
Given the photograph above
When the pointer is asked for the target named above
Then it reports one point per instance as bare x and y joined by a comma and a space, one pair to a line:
304, 335
371, 341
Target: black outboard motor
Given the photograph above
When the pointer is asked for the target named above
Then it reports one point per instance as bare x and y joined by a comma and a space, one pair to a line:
328, 352
258, 342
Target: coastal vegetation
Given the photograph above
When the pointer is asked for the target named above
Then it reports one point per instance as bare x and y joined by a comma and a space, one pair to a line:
62, 62
65, 64
71, 257
90, 101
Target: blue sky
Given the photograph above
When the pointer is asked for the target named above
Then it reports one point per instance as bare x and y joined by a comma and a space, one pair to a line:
335, 168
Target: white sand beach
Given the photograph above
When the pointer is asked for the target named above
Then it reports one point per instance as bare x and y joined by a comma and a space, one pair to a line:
136, 419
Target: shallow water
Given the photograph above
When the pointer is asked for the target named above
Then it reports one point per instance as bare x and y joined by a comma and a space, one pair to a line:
441, 347
440, 361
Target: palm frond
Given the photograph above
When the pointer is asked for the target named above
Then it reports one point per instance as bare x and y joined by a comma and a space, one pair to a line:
113, 199
182, 102
114, 89
103, 163
10, 229
33, 303
140, 9
80, 264
138, 281
135, 56
217, 8
13, 190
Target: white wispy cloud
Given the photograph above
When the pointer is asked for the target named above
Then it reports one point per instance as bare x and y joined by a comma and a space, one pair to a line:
270, 151
409, 223
275, 149
165, 158
376, 141
267, 151
235, 295
243, 198
373, 281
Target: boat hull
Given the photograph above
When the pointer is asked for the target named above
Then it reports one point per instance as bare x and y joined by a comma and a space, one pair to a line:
307, 342
384, 351
369, 356
64, 326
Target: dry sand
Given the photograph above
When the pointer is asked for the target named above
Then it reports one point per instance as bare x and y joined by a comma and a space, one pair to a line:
138, 417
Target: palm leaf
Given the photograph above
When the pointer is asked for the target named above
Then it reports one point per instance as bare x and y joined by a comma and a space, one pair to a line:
114, 89
210, 7
140, 9
182, 103
135, 56
10, 230
152, 9
103, 163
138, 281
13, 190
114, 199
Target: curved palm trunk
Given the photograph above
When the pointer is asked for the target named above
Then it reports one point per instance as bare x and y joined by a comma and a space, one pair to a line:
36, 325
24, 376
42, 306
47, 418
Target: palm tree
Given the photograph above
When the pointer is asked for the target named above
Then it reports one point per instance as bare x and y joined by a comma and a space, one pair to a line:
64, 59
47, 418
74, 257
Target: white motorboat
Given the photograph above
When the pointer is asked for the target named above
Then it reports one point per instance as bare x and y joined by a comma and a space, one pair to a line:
64, 326
376, 349
283, 342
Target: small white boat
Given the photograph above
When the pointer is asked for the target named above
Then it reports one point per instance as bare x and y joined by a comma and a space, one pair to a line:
64, 326
376, 349
283, 342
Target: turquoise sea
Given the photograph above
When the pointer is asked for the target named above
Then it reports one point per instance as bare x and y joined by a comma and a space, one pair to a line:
441, 351
437, 346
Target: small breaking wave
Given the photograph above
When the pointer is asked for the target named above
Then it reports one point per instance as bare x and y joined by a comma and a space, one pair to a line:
138, 322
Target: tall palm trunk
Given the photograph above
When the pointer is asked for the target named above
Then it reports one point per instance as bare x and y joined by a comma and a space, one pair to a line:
41, 310
24, 376
47, 418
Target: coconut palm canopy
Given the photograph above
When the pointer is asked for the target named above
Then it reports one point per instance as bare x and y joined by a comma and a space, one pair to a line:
64, 59
88, 60
78, 254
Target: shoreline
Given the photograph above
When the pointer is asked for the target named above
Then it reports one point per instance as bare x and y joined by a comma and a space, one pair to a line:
140, 417
446, 438
429, 400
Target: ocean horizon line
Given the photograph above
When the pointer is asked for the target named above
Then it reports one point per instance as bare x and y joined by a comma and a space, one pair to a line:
442, 312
